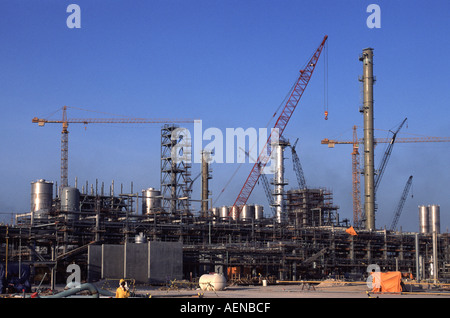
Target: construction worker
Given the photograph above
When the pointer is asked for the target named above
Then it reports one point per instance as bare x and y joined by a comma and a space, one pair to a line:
122, 291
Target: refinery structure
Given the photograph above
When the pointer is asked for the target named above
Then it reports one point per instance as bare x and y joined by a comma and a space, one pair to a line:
111, 233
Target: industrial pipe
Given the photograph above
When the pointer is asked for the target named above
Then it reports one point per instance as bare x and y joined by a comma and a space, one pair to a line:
72, 291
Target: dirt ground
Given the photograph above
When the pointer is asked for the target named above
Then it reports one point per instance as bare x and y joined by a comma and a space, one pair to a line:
323, 290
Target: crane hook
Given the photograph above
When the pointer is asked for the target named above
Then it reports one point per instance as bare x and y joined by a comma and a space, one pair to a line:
326, 115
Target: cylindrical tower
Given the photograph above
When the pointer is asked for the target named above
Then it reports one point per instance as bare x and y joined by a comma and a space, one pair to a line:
279, 181
424, 223
205, 182
435, 218
367, 110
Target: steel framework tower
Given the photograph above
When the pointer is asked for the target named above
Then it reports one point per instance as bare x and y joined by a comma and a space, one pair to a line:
175, 174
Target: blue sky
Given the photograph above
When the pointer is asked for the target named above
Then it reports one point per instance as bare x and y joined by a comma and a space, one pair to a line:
229, 63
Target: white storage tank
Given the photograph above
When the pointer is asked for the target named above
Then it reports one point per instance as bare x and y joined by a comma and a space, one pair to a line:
212, 282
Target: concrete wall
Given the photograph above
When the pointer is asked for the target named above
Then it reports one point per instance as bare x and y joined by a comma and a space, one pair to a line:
152, 262
136, 265
166, 261
112, 261
94, 266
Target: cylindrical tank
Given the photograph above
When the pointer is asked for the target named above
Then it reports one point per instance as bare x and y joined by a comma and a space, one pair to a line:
247, 212
41, 195
212, 282
424, 223
151, 200
435, 219
70, 202
215, 212
259, 212
233, 211
224, 212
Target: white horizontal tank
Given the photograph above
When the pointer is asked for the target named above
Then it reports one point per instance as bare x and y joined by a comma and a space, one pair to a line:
212, 282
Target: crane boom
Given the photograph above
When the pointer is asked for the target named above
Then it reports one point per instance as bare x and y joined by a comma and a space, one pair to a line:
386, 157
331, 143
130, 120
265, 184
298, 167
399, 209
280, 125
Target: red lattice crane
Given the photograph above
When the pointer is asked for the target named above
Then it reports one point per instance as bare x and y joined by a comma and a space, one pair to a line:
65, 133
280, 125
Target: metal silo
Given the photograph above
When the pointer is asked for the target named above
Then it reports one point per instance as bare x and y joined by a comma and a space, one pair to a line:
41, 198
435, 219
259, 212
424, 219
247, 213
215, 212
233, 211
224, 212
151, 201
70, 202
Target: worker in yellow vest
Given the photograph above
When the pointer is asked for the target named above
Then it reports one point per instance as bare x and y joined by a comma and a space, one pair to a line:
122, 291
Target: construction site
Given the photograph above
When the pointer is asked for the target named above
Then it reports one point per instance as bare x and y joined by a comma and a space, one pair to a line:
154, 236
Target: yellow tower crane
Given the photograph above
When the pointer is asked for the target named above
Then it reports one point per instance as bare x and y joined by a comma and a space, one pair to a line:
356, 185
65, 133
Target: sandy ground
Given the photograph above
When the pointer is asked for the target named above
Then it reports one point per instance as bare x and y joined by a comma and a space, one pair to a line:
326, 289
289, 291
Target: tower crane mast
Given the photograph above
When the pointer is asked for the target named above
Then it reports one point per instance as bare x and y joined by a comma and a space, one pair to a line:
280, 125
